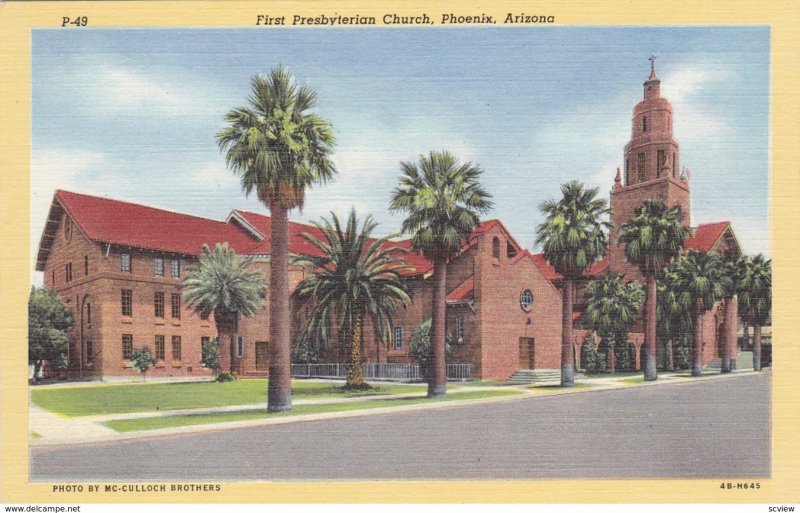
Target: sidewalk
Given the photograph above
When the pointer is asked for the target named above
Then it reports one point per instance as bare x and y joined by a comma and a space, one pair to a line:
51, 429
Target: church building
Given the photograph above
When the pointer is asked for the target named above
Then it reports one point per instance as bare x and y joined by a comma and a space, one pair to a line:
118, 266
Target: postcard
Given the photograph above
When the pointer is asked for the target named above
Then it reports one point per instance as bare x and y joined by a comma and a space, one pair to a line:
282, 253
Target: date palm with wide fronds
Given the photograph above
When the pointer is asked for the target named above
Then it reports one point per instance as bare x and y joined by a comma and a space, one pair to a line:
279, 148
652, 238
611, 310
573, 237
443, 199
221, 283
354, 279
755, 298
703, 282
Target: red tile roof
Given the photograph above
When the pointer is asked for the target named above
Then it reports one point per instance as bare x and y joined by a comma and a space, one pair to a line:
551, 274
464, 292
706, 236
139, 226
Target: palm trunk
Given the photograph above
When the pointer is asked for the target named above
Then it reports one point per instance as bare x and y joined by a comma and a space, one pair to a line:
730, 334
697, 355
37, 367
279, 388
567, 361
757, 347
437, 382
225, 336
355, 371
650, 368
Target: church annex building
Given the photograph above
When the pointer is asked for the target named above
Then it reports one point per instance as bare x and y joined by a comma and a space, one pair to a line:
118, 267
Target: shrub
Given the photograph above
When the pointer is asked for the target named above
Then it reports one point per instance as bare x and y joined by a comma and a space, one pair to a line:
589, 355
142, 359
225, 376
420, 346
210, 354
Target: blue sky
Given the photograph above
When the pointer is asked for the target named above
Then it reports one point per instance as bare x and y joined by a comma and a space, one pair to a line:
132, 114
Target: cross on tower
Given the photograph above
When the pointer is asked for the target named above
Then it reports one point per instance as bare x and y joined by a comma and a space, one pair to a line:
652, 60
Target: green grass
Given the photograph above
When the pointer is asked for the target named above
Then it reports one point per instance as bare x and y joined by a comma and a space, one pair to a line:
129, 398
148, 423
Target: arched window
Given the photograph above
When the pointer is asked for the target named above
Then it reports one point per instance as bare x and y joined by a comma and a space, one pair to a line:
644, 123
496, 247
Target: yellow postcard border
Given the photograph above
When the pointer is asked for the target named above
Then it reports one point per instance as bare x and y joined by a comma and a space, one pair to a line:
18, 18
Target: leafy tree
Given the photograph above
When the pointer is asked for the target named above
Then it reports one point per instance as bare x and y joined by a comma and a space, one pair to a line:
652, 238
589, 355
210, 354
355, 278
611, 310
221, 284
755, 298
142, 359
48, 321
703, 281
573, 236
442, 198
420, 346
279, 148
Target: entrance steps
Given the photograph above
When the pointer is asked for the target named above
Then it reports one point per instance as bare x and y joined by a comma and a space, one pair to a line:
744, 360
535, 376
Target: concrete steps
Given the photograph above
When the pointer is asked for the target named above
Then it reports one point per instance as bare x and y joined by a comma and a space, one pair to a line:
744, 361
535, 376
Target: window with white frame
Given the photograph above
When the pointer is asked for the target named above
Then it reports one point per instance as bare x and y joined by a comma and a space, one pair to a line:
158, 266
125, 262
398, 337
240, 347
176, 268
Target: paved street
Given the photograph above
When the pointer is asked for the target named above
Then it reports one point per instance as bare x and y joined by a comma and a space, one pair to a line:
715, 428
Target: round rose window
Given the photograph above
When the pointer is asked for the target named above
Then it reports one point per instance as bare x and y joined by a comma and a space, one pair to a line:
526, 300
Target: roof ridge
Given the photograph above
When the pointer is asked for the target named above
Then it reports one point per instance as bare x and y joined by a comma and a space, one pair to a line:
140, 205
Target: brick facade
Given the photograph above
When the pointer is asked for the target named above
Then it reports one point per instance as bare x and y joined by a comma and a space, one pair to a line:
504, 304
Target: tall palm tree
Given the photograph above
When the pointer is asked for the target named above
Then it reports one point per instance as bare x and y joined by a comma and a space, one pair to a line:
573, 236
612, 308
755, 298
222, 284
279, 148
353, 280
703, 282
652, 238
732, 267
442, 198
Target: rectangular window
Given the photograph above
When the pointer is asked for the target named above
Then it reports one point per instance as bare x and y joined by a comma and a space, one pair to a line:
68, 272
176, 348
662, 161
127, 302
674, 166
398, 337
176, 268
85, 265
88, 313
644, 123
176, 306
158, 266
53, 278
89, 351
640, 167
127, 346
240, 347
160, 347
125, 262
204, 341
461, 330
159, 303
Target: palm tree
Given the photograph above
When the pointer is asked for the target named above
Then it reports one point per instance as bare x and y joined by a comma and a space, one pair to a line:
732, 267
222, 284
279, 149
755, 298
573, 236
442, 198
674, 316
652, 238
612, 309
703, 282
354, 279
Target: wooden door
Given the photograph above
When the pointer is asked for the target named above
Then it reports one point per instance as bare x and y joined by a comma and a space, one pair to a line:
526, 353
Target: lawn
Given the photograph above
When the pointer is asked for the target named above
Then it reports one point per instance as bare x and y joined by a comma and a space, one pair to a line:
128, 398
148, 423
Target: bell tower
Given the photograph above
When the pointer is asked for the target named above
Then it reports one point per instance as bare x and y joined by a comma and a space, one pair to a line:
651, 169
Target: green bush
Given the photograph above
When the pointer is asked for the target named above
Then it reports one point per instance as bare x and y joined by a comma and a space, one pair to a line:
142, 359
683, 354
225, 376
210, 354
420, 346
589, 355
